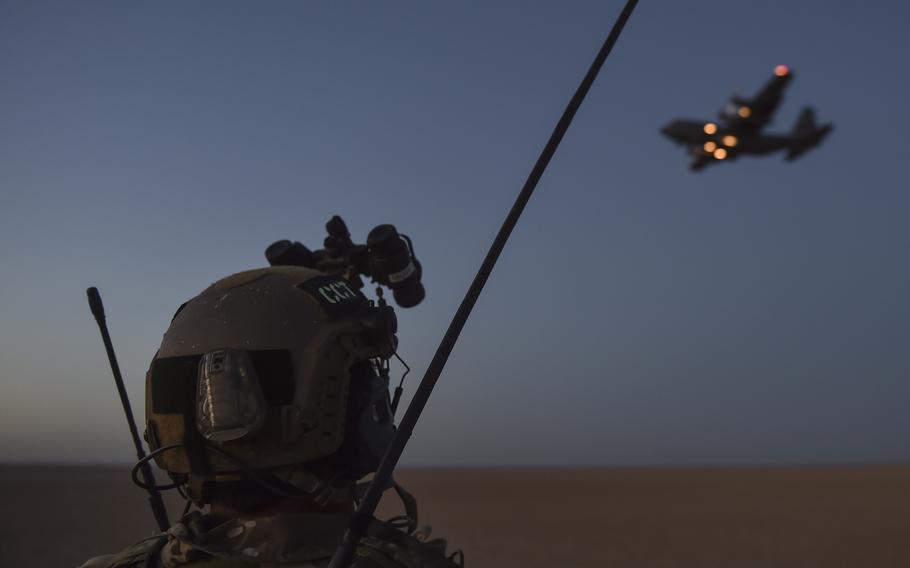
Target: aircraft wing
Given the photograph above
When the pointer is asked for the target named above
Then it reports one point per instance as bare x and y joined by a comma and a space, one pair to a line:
700, 162
764, 104
751, 115
686, 131
703, 140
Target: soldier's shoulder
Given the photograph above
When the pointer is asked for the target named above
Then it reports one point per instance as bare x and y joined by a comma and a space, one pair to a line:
143, 554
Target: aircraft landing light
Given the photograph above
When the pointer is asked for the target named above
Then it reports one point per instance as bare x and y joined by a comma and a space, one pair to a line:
744, 112
720, 154
729, 140
710, 128
710, 146
781, 70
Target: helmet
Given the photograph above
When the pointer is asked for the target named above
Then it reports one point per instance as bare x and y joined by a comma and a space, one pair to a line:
272, 373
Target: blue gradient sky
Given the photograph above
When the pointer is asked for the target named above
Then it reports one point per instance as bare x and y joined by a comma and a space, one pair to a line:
755, 313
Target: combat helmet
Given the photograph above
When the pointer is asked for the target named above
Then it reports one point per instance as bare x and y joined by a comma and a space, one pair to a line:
272, 373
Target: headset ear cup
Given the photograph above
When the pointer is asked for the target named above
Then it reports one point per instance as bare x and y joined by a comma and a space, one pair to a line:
369, 428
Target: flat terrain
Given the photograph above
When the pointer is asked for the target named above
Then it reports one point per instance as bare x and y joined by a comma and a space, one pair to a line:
831, 517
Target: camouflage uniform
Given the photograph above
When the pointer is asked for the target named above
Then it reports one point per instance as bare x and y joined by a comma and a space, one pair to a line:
292, 541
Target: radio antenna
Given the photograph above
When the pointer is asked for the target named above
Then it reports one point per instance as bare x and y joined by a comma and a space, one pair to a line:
383, 476
155, 500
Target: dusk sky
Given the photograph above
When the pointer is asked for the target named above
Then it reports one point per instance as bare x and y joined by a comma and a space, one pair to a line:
754, 313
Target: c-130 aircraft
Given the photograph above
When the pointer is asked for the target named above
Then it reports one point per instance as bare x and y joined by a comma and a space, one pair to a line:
739, 128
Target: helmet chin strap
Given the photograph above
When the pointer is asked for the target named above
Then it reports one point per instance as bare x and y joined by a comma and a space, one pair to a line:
323, 492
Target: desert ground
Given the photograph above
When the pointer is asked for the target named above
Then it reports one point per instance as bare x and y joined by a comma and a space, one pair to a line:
529, 518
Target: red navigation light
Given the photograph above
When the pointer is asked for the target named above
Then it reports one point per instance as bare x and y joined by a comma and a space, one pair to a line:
781, 70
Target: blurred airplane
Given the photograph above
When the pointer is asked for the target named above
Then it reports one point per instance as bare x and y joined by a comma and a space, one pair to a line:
740, 125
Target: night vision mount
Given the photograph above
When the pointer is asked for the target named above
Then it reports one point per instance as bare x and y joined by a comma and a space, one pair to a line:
387, 259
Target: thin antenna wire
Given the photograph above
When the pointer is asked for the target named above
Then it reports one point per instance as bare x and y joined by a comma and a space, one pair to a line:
159, 511
400, 388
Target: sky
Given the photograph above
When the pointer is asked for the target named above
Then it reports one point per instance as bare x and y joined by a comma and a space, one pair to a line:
754, 313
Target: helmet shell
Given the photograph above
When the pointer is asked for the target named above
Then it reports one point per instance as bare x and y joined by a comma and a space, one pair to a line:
303, 329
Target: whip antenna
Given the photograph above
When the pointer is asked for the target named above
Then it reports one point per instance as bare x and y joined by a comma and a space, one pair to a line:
381, 479
155, 501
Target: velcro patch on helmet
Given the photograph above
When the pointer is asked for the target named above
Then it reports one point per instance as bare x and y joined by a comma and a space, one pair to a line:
335, 295
174, 384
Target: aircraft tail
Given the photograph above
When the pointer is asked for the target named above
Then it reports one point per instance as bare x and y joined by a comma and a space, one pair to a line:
806, 134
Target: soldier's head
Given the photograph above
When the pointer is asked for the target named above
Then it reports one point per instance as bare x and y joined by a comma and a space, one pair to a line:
268, 380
